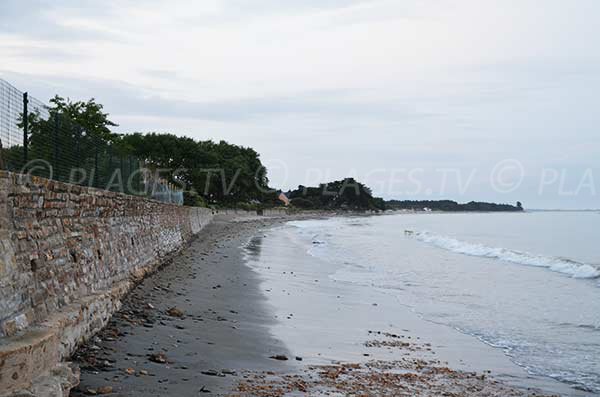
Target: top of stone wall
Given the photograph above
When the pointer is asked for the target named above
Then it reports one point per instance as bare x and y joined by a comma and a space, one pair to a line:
40, 184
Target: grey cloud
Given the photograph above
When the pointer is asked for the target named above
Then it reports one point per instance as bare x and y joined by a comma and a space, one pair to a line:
126, 99
160, 73
32, 19
279, 7
237, 10
38, 53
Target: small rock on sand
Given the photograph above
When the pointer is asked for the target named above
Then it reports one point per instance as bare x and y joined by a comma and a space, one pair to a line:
175, 312
105, 390
159, 358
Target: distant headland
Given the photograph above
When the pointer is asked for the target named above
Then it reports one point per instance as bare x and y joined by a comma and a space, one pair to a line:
451, 206
349, 194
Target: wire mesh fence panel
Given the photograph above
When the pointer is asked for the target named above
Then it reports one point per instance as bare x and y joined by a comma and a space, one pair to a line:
165, 192
45, 141
11, 133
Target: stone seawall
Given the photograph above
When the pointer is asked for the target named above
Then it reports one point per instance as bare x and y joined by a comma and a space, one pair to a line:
67, 256
242, 214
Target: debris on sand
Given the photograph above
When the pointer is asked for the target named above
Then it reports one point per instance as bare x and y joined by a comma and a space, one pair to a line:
409, 377
158, 358
175, 312
105, 390
212, 372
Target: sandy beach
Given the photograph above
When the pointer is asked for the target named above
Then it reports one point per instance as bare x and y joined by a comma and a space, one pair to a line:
215, 322
299, 198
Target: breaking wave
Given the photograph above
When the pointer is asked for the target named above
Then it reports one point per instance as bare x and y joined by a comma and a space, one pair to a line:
562, 265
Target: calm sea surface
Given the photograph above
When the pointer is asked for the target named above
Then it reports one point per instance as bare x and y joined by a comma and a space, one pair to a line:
525, 283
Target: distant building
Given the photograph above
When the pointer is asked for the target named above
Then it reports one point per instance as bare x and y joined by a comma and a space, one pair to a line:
284, 198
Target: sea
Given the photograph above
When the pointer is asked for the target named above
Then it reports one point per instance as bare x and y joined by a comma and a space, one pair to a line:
526, 284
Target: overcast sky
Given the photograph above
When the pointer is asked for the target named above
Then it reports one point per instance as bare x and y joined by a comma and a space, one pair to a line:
460, 99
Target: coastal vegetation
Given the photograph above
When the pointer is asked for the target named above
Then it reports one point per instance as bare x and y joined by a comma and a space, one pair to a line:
345, 194
451, 206
77, 135
208, 172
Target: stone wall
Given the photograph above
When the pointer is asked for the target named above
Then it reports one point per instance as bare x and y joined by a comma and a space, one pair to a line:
67, 255
241, 214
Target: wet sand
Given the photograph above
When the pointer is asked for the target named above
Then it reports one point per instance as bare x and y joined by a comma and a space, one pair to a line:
223, 327
208, 324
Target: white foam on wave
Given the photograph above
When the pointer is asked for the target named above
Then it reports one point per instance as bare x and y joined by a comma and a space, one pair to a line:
566, 266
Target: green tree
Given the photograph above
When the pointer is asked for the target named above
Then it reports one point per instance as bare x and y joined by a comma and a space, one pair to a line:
89, 116
343, 194
218, 173
75, 135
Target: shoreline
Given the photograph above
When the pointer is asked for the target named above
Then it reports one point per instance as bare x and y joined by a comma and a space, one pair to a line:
207, 324
221, 322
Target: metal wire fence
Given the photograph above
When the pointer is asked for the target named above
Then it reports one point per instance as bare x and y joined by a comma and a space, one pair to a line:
13, 140
43, 141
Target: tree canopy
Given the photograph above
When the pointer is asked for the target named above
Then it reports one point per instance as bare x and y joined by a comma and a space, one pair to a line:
89, 116
343, 194
220, 173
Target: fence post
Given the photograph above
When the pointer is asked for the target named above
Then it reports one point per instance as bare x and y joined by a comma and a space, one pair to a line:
78, 147
121, 166
55, 160
1, 159
130, 185
96, 176
110, 160
25, 128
